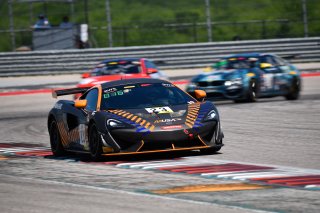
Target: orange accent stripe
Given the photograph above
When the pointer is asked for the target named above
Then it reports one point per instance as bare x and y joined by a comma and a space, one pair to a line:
147, 125
151, 128
155, 151
192, 117
122, 113
189, 124
3, 158
193, 113
189, 120
140, 146
126, 114
142, 122
202, 141
138, 120
134, 118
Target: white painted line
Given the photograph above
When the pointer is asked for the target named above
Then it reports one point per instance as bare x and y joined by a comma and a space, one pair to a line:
176, 164
312, 186
231, 172
161, 164
142, 163
247, 173
154, 163
22, 149
270, 175
288, 175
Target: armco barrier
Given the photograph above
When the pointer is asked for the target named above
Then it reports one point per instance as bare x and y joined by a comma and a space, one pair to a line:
305, 50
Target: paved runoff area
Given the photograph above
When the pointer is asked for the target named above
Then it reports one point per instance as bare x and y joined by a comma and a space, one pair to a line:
270, 163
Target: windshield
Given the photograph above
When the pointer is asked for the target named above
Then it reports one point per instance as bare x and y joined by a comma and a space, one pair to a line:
117, 67
236, 63
143, 96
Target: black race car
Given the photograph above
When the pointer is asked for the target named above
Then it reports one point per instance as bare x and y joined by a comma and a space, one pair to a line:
133, 116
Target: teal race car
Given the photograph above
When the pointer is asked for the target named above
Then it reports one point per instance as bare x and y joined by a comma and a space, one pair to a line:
246, 77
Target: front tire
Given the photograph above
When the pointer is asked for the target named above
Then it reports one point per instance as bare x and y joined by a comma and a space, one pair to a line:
252, 91
55, 140
95, 143
294, 90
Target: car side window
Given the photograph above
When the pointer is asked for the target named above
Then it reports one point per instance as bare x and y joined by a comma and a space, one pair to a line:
150, 64
268, 59
279, 61
92, 99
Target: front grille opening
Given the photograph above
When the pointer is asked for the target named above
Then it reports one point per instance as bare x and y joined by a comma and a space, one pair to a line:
169, 145
234, 92
124, 144
210, 83
208, 136
215, 95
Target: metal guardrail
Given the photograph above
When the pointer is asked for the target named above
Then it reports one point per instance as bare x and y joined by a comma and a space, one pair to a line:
306, 50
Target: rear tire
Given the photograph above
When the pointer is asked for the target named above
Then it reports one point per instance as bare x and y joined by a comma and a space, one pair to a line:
294, 90
55, 140
95, 143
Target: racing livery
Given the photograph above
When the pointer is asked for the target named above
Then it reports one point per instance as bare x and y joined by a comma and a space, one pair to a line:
133, 116
246, 77
121, 68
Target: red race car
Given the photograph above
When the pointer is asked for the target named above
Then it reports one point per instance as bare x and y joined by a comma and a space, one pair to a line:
123, 68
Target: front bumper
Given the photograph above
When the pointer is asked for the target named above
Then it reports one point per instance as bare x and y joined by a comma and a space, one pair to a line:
128, 141
220, 92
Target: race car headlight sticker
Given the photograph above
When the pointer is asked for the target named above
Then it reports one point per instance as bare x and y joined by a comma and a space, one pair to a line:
211, 115
114, 124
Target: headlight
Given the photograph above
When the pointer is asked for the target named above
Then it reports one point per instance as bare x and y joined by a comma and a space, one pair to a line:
192, 85
235, 81
114, 124
211, 115
86, 81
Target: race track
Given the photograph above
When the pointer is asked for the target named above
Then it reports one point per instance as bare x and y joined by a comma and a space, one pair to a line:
271, 134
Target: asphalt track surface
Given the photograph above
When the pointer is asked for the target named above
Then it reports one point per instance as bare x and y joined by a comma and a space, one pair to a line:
272, 133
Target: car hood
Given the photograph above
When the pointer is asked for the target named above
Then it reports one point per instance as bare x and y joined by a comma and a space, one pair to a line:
174, 116
220, 75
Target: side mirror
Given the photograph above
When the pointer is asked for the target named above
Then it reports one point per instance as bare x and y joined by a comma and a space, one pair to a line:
207, 69
80, 103
265, 65
85, 75
200, 94
151, 70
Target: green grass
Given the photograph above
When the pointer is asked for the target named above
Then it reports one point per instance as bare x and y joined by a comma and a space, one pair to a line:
145, 22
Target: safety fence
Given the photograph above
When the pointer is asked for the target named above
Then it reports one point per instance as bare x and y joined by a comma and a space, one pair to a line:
177, 56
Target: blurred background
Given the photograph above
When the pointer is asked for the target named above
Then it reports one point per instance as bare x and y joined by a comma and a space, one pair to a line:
119, 23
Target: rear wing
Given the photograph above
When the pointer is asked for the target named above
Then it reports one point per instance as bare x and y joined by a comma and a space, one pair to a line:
56, 93
290, 57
